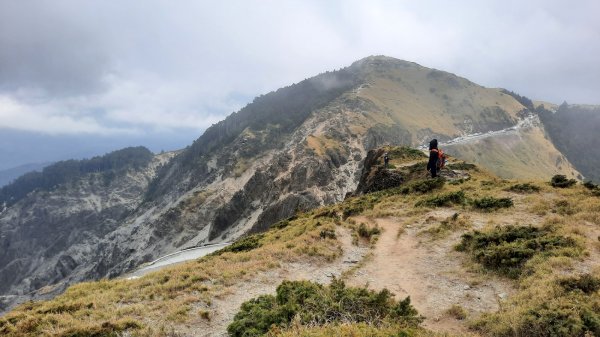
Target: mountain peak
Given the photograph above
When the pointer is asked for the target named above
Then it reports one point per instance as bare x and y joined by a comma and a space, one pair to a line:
382, 60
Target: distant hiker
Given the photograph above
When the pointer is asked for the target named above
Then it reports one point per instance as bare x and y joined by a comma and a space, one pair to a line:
386, 159
432, 165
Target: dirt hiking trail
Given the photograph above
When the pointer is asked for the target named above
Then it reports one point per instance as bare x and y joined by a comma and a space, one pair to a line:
225, 307
430, 272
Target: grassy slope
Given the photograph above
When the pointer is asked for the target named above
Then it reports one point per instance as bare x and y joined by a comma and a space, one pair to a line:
164, 302
169, 297
441, 104
528, 155
428, 102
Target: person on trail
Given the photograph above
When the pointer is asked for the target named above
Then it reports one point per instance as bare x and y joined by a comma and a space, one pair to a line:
386, 159
432, 165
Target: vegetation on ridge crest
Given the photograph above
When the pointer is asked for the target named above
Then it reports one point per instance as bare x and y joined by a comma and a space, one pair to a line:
109, 165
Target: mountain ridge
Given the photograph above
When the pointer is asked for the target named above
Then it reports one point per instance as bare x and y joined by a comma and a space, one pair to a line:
414, 227
245, 174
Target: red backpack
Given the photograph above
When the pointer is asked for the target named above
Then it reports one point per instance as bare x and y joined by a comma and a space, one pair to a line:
441, 163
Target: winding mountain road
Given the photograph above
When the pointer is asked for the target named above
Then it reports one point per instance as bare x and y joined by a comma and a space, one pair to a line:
526, 122
177, 257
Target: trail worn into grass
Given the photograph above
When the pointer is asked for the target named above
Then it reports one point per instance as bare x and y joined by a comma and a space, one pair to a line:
223, 309
430, 272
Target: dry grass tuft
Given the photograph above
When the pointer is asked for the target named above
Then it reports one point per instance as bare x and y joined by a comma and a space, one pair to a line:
458, 312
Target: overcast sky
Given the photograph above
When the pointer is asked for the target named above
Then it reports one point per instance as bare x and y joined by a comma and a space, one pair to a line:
161, 67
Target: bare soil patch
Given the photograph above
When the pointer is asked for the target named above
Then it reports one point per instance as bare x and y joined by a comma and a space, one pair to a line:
430, 272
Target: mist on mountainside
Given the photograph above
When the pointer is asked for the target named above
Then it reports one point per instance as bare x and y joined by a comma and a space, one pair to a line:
19, 147
575, 130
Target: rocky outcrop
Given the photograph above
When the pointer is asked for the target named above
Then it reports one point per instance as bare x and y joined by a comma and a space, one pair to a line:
380, 179
375, 177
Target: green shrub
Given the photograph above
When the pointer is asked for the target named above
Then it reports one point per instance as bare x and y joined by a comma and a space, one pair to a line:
256, 317
506, 249
365, 232
327, 233
314, 304
426, 185
558, 319
585, 283
491, 203
590, 185
405, 152
524, 188
243, 245
447, 199
462, 166
357, 205
561, 181
565, 316
594, 188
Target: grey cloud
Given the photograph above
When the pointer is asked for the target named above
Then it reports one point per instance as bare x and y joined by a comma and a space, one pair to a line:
43, 51
165, 65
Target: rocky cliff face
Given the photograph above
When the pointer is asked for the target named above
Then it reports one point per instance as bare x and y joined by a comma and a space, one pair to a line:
288, 151
48, 237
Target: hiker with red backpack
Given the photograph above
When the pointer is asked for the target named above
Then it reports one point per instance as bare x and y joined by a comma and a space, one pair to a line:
437, 158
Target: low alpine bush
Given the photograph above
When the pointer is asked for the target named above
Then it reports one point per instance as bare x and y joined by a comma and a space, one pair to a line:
447, 199
367, 232
590, 185
585, 283
462, 166
523, 188
561, 181
314, 304
426, 185
568, 315
506, 249
243, 245
491, 203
